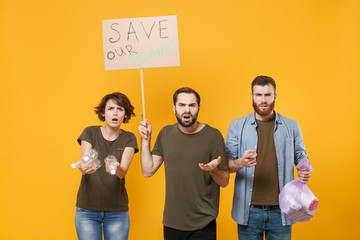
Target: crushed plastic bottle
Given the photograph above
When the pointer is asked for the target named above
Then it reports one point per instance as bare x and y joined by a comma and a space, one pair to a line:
89, 160
112, 163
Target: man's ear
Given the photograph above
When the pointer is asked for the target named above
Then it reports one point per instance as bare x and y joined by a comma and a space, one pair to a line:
174, 108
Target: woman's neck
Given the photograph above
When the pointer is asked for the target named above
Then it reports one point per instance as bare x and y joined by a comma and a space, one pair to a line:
109, 133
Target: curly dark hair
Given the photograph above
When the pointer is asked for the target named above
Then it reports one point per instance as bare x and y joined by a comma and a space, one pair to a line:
121, 100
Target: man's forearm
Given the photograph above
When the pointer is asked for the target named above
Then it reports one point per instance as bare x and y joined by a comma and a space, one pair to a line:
234, 165
146, 158
221, 177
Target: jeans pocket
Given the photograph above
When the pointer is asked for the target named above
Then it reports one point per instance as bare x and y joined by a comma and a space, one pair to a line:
80, 209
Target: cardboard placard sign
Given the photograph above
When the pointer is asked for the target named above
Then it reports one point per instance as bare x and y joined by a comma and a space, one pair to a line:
136, 43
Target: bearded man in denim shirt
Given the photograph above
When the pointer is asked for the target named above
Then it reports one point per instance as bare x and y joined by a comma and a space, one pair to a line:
262, 148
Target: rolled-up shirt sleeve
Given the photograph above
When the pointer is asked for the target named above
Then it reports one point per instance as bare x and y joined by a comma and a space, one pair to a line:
232, 141
300, 150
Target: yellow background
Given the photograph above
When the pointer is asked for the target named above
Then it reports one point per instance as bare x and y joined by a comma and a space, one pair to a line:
52, 75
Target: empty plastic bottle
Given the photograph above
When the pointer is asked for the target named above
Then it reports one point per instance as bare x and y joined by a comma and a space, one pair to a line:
89, 160
75, 164
112, 163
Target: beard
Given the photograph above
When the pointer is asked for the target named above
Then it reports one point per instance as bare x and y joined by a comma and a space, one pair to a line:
186, 124
264, 113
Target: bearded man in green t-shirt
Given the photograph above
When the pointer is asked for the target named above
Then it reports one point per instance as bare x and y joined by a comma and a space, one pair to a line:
195, 166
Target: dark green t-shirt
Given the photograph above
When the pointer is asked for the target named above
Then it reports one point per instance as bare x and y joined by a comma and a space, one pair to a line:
266, 181
192, 196
102, 191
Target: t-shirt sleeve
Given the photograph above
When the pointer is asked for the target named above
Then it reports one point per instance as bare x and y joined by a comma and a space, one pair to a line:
132, 142
157, 150
222, 152
87, 135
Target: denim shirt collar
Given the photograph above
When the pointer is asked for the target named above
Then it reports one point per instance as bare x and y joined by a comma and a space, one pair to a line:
253, 120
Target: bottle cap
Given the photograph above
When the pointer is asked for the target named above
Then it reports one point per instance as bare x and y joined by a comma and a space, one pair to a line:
110, 158
73, 165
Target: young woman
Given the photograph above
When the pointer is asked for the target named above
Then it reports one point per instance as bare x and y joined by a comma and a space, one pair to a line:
102, 201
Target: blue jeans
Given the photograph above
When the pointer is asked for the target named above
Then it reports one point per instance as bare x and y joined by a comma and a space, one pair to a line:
90, 225
264, 221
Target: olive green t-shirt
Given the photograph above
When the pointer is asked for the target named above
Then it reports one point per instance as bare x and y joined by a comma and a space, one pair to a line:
192, 196
266, 181
101, 191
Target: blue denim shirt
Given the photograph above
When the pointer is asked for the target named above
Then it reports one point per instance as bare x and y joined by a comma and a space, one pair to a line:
290, 149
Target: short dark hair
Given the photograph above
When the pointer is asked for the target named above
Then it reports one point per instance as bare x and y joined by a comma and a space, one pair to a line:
121, 100
186, 90
262, 81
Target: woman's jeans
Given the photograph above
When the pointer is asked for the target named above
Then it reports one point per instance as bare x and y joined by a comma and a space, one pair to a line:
266, 221
90, 225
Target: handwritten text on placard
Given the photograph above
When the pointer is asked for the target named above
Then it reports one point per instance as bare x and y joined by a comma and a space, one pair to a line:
141, 43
